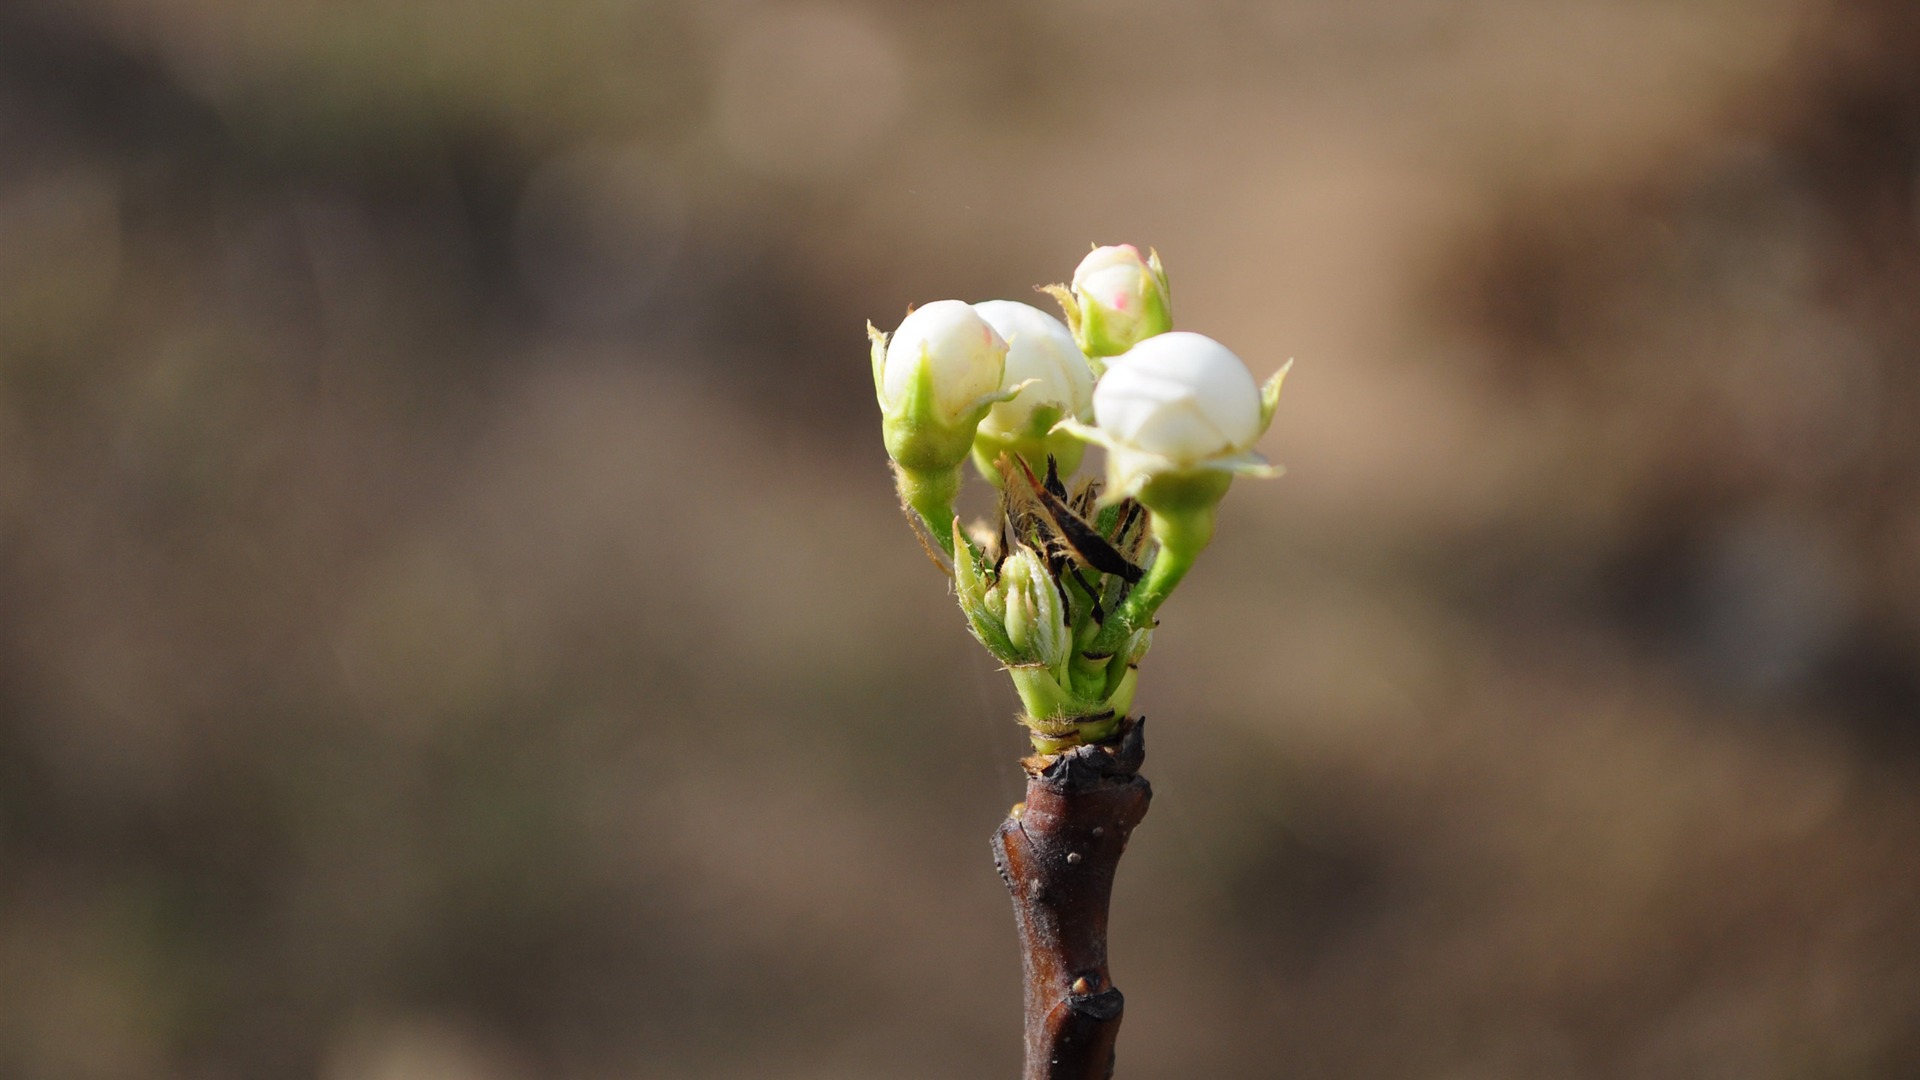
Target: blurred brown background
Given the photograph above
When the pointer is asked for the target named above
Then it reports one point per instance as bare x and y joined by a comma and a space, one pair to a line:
457, 627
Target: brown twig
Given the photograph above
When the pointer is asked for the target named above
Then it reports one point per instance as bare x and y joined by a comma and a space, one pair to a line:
1057, 853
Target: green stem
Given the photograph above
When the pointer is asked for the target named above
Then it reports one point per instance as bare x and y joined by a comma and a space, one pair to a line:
1182, 537
1168, 568
931, 492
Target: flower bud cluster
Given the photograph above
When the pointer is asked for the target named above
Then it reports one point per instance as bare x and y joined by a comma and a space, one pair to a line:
1070, 605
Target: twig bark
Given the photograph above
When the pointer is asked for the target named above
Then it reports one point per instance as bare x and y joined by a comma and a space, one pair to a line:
1057, 852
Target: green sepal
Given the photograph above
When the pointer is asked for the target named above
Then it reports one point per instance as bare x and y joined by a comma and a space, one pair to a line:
877, 340
970, 588
1270, 395
1085, 432
1070, 307
1159, 271
1248, 464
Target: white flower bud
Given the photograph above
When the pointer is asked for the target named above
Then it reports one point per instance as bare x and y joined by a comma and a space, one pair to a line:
1178, 414
1042, 354
962, 355
1181, 396
1120, 300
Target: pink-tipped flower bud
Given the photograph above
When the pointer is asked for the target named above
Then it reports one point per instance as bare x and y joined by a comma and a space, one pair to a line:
1119, 300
